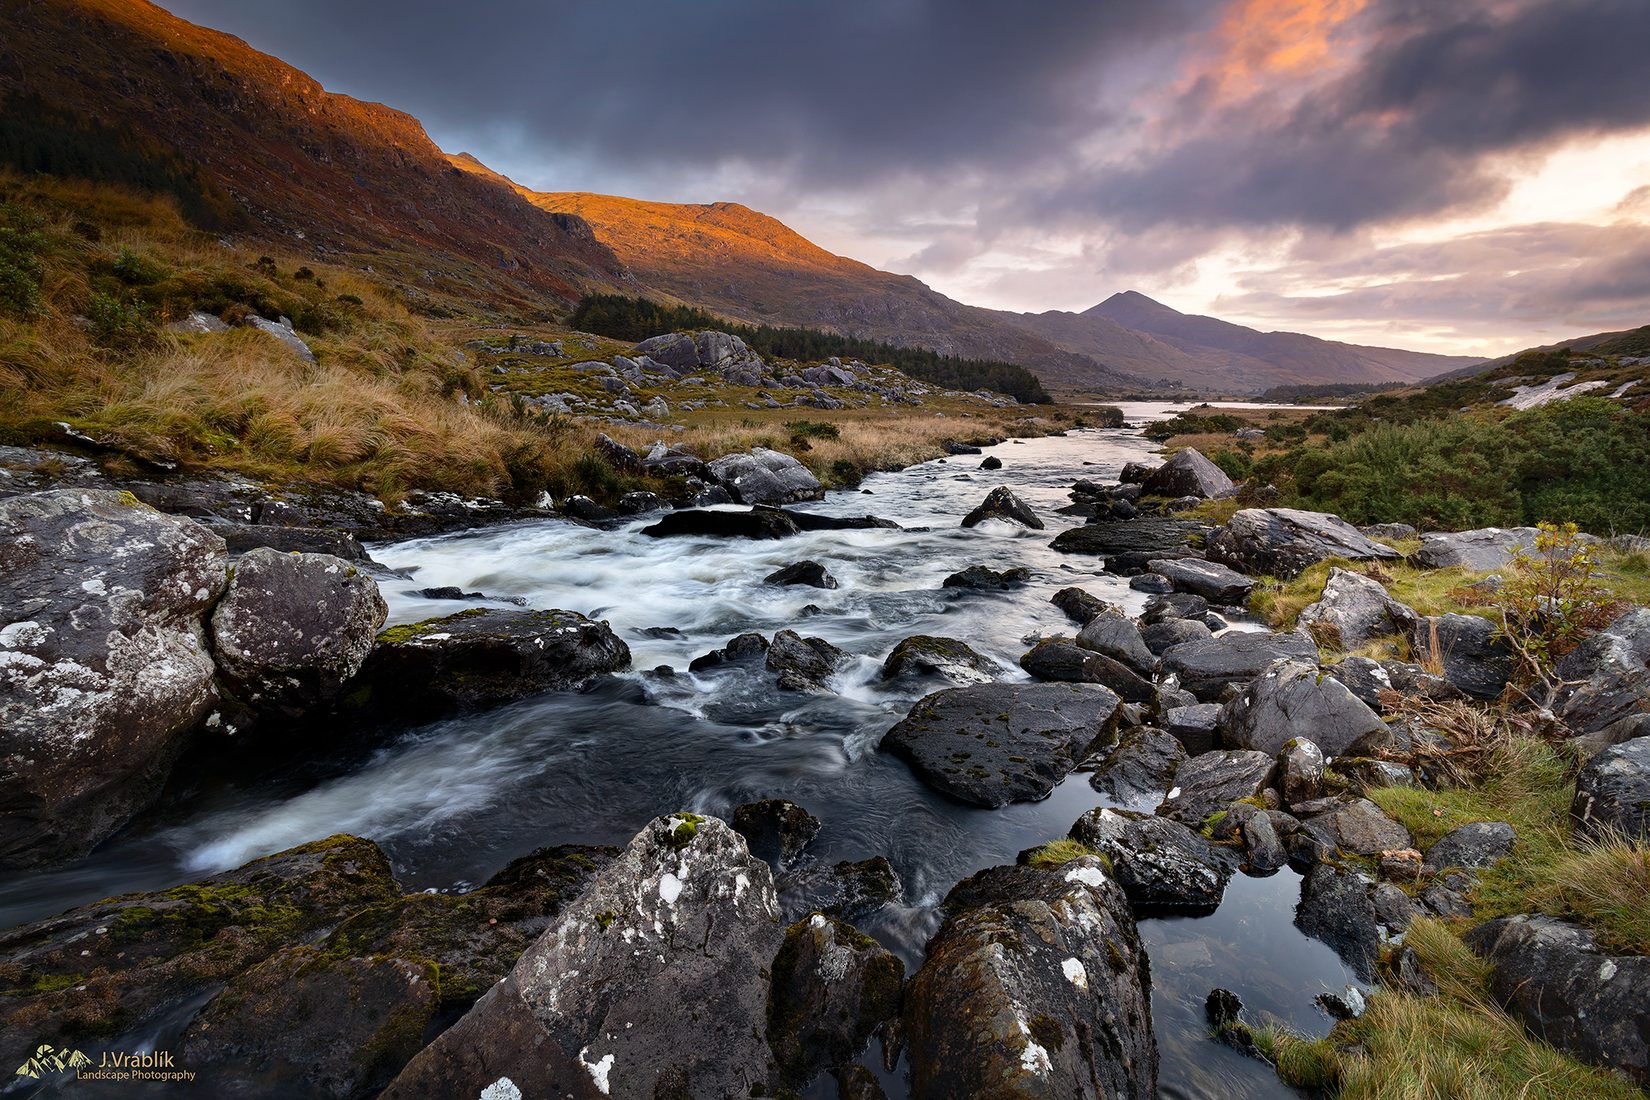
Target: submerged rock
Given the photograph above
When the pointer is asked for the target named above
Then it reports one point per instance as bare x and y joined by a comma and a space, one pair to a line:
1002, 504
804, 664
743, 649
1284, 541
809, 573
1035, 986
104, 666
833, 986
1336, 909
978, 578
994, 744
849, 890
775, 829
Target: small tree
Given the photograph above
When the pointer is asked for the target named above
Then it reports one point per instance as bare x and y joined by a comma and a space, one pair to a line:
1552, 598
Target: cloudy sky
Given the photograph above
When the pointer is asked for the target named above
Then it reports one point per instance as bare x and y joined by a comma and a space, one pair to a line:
1450, 175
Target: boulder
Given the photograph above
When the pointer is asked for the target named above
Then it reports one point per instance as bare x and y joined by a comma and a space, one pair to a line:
1211, 580
631, 991
1206, 667
673, 349
1284, 541
1205, 784
292, 628
1066, 1012
1155, 583
1364, 678
1134, 473
776, 830
1607, 679
282, 331
1194, 726
1112, 635
1480, 844
1164, 636
1128, 544
729, 356
1189, 474
758, 523
1064, 662
832, 987
1002, 504
1142, 766
1080, 606
923, 655
674, 461
104, 666
1481, 551
1389, 532
1553, 977
991, 462
848, 890
1162, 865
994, 744
1473, 658
804, 664
616, 454
1335, 908
1355, 609
743, 649
808, 573
482, 657
766, 477
1358, 827
1613, 791
1175, 605
978, 578
1300, 772
1293, 700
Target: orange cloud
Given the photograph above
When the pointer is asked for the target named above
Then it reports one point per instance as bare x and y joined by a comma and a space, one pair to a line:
1260, 42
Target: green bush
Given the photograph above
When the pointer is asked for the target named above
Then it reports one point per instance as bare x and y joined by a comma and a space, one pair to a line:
21, 243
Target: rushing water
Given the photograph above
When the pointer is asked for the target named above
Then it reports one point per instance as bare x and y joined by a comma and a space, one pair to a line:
453, 801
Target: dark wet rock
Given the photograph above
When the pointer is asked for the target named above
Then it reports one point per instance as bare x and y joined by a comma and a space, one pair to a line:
1164, 636
1065, 662
744, 649
1193, 726
674, 461
1448, 896
1211, 580
954, 448
640, 502
1300, 771
1162, 865
1115, 636
775, 829
994, 744
1364, 678
1223, 1009
978, 578
453, 592
991, 462
849, 890
1188, 474
109, 967
1394, 909
758, 523
1359, 827
1607, 678
1141, 766
1066, 1012
1474, 659
1613, 791
1135, 473
1480, 844
1154, 583
587, 511
1355, 609
946, 658
1080, 606
1284, 541
1174, 605
804, 664
685, 917
766, 477
1480, 551
1335, 909
809, 573
1206, 667
1205, 784
1553, 977
1002, 504
239, 538
1409, 973
1263, 847
293, 628
832, 987
104, 666
1131, 543
1293, 700
482, 657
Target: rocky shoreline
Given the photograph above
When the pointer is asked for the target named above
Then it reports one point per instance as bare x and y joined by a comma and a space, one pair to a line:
149, 630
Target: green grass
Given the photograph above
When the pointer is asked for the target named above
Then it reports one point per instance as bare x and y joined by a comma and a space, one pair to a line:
1058, 853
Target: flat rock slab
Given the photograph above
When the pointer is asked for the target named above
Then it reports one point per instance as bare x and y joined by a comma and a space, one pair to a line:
1284, 541
1482, 550
1128, 535
993, 744
1205, 784
1211, 580
1206, 666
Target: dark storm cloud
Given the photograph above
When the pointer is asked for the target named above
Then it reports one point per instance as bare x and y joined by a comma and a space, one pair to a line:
821, 91
1404, 134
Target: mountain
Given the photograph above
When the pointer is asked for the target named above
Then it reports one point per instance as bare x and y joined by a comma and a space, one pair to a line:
1633, 343
308, 167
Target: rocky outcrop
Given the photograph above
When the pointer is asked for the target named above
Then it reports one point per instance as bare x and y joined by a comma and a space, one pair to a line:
631, 991
804, 664
104, 665
1059, 660
1294, 700
833, 986
1035, 986
808, 573
1188, 474
999, 743
1613, 791
1211, 580
1002, 504
1355, 609
1284, 541
1114, 636
1481, 551
1162, 865
293, 628
1206, 667
766, 477
1474, 659
1607, 681
1554, 978
482, 657
924, 655
1205, 784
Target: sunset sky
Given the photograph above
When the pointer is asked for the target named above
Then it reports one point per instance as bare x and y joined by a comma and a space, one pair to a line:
1449, 175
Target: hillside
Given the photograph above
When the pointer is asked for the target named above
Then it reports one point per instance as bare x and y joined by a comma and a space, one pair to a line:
314, 170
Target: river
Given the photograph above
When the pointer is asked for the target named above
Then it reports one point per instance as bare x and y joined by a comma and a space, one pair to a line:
453, 801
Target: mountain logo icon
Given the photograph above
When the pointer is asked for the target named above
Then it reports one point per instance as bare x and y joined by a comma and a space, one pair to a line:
50, 1059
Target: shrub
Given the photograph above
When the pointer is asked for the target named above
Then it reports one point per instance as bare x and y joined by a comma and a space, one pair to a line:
21, 243
1551, 599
